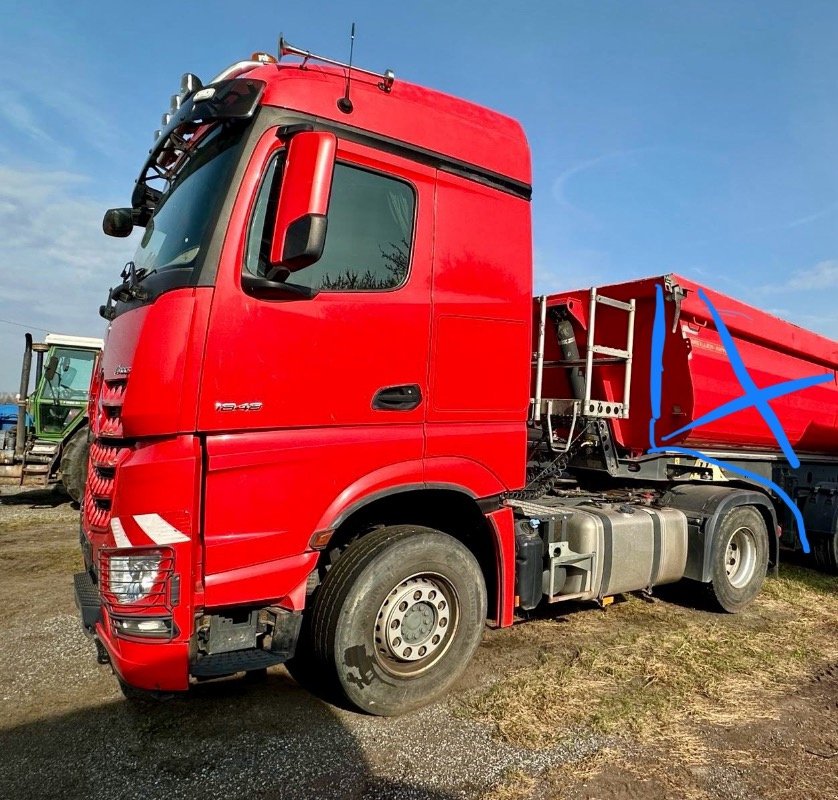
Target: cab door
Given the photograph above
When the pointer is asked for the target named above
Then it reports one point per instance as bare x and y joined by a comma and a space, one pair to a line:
308, 403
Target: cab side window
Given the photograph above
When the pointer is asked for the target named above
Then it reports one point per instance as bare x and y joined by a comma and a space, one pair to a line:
370, 231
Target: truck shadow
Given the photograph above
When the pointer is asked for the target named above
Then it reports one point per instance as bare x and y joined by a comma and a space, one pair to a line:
232, 740
38, 498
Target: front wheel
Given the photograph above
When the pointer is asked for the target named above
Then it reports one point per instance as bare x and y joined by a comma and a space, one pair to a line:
398, 618
740, 559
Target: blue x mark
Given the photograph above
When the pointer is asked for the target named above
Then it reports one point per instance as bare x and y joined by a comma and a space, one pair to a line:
753, 397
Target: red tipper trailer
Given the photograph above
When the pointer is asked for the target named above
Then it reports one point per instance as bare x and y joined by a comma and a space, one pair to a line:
332, 429
698, 375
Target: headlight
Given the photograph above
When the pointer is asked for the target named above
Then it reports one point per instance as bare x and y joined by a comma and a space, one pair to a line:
134, 577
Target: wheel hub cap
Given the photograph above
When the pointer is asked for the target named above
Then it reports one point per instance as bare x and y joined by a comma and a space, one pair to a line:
740, 557
413, 620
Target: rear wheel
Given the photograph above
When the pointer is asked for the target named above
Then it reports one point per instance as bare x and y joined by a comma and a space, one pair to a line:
740, 559
74, 464
825, 551
397, 619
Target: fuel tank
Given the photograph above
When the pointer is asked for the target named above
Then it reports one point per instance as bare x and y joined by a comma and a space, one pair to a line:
698, 373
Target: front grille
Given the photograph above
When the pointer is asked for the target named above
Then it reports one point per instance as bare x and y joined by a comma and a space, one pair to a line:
113, 393
105, 453
98, 496
95, 518
109, 416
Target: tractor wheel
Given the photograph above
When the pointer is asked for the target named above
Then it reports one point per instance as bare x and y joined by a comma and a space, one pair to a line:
397, 619
740, 559
74, 464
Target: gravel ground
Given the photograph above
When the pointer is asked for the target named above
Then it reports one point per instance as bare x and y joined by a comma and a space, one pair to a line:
67, 732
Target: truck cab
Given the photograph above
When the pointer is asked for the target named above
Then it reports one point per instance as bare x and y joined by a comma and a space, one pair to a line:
310, 339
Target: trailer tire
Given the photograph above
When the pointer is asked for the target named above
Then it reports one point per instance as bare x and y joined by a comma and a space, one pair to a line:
739, 559
408, 580
825, 551
74, 464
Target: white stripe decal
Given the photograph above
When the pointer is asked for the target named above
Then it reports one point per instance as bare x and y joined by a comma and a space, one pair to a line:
119, 536
158, 530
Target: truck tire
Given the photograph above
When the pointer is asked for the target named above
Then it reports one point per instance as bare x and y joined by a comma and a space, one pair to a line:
397, 619
825, 551
74, 464
739, 560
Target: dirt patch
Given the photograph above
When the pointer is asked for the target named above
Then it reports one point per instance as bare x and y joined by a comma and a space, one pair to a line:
696, 704
639, 667
790, 751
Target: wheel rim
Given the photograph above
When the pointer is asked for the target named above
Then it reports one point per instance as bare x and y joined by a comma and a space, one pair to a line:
741, 557
416, 624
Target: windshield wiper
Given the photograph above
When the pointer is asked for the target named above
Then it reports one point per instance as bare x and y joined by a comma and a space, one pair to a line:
127, 291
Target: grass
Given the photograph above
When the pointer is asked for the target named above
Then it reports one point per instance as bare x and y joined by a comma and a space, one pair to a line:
641, 668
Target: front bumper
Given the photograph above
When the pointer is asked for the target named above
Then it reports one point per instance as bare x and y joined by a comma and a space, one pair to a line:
153, 665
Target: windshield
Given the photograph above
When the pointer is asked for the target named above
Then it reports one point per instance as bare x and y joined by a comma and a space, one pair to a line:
174, 235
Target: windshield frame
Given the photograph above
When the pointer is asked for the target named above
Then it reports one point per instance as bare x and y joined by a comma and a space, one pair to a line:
202, 271
198, 159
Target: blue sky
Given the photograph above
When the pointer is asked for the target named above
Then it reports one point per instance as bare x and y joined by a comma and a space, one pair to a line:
695, 137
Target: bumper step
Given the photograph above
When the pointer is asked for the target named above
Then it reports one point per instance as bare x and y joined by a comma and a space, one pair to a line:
219, 664
87, 600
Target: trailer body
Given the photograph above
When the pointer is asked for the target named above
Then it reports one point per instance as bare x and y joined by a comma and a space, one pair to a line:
698, 370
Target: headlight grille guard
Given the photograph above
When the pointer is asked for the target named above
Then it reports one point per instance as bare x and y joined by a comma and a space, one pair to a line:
163, 595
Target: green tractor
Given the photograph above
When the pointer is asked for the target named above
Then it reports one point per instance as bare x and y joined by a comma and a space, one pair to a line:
49, 441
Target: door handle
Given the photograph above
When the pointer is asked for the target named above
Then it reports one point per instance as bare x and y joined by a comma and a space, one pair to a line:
397, 398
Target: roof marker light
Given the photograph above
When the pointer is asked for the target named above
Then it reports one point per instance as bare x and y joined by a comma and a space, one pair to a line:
263, 58
204, 94
190, 83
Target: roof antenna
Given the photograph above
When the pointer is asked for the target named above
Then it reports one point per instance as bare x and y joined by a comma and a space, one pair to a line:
345, 104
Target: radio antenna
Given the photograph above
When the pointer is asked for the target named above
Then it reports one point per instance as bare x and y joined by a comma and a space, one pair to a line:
345, 104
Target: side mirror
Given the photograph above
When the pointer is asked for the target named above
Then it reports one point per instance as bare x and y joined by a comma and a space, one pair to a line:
52, 368
118, 222
300, 230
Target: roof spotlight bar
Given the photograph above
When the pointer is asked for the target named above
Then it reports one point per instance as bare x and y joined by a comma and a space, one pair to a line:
386, 78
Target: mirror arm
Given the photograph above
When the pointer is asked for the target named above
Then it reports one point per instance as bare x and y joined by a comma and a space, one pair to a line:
287, 131
256, 285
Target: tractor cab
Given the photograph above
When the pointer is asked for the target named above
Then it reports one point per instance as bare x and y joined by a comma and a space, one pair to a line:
49, 441
60, 399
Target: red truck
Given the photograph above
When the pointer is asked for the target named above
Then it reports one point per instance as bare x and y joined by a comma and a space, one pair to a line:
333, 428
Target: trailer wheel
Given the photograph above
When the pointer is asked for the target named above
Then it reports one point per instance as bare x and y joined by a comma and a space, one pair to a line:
740, 559
825, 551
398, 618
74, 464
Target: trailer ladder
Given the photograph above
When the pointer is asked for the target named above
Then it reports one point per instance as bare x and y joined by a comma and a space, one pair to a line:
596, 355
